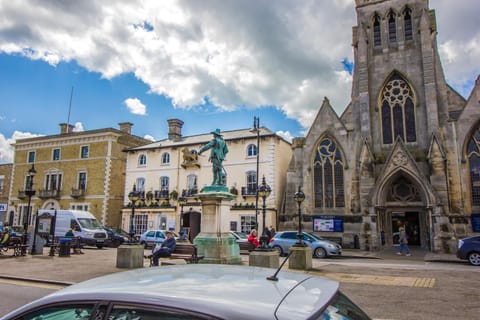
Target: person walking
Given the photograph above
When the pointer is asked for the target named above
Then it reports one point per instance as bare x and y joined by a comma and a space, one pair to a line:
165, 249
403, 242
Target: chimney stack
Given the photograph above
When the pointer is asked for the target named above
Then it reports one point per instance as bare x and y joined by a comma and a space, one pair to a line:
66, 128
126, 127
175, 129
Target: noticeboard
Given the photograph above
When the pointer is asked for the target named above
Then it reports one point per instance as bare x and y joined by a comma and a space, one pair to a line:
476, 222
327, 223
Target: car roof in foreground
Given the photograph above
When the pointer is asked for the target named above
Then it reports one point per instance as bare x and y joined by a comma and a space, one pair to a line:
225, 291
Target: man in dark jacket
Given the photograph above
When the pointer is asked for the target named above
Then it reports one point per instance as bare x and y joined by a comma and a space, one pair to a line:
165, 250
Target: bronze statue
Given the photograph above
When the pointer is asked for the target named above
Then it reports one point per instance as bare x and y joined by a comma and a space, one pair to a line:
217, 155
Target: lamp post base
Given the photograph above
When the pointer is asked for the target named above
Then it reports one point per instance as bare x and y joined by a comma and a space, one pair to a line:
300, 258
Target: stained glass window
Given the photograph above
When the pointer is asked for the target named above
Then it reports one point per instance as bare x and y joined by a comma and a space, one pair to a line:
398, 111
474, 163
392, 28
408, 24
377, 36
328, 175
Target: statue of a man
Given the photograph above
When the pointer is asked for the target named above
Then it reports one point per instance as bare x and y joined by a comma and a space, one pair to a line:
217, 155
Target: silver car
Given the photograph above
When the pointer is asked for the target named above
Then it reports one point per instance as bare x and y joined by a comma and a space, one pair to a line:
321, 248
193, 291
150, 238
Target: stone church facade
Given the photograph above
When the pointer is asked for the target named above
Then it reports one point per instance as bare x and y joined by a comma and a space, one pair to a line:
406, 150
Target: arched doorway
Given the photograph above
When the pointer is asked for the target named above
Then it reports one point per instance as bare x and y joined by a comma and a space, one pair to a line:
192, 220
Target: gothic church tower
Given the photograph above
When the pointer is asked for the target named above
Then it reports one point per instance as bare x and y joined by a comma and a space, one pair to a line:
393, 157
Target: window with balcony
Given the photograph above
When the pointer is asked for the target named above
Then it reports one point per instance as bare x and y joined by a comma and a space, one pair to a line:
84, 152
163, 193
251, 188
56, 154
191, 186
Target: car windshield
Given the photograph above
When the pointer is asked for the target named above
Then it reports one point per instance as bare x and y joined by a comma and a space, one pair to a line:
89, 223
315, 236
340, 307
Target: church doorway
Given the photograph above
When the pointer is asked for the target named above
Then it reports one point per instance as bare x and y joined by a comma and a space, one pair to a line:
411, 222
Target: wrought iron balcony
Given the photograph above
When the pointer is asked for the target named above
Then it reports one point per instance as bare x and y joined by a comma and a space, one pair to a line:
77, 193
161, 194
189, 192
49, 193
21, 194
249, 191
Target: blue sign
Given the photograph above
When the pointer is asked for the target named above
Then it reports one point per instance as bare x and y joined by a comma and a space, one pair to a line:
476, 222
328, 223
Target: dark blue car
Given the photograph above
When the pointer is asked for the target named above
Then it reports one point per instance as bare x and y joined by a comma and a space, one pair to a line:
469, 249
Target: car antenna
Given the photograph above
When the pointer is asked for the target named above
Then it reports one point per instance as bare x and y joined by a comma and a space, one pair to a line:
274, 276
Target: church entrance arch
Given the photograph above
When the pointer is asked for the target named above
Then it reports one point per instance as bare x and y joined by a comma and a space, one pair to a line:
403, 205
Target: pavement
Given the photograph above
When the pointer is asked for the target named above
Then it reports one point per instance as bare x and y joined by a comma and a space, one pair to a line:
98, 262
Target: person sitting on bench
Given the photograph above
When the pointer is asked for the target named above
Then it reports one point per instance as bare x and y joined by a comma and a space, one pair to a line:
165, 250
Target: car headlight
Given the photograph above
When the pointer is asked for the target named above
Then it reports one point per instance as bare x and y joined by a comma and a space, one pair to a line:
89, 234
330, 246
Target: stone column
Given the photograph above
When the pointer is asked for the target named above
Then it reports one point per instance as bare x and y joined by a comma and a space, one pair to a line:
214, 242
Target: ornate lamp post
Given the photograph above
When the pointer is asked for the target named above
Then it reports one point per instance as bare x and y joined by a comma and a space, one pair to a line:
182, 201
263, 191
133, 196
29, 192
299, 196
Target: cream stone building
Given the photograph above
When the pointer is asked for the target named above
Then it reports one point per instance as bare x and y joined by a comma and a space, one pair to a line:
5, 175
169, 174
74, 170
406, 150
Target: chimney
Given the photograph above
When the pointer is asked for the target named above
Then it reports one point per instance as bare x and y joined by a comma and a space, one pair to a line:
126, 127
175, 129
66, 128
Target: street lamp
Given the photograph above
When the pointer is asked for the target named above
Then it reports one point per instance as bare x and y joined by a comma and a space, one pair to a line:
133, 196
29, 192
182, 201
263, 191
299, 196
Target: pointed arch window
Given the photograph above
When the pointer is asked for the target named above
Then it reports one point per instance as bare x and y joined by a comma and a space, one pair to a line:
408, 26
328, 175
392, 27
398, 111
377, 36
473, 154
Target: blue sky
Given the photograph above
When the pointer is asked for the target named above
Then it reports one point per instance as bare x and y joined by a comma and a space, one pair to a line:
211, 63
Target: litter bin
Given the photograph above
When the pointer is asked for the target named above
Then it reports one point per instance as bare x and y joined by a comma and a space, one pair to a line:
64, 247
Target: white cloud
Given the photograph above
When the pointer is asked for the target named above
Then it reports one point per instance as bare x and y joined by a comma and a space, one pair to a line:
149, 137
237, 53
78, 127
135, 106
6, 150
285, 135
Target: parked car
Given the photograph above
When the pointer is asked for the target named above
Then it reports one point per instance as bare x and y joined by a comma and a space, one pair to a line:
149, 238
239, 236
197, 291
321, 248
116, 237
469, 249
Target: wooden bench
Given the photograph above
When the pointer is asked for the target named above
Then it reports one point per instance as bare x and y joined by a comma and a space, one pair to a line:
76, 245
15, 245
246, 247
185, 251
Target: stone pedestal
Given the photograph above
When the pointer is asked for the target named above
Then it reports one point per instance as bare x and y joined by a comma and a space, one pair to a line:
130, 256
214, 241
301, 258
267, 259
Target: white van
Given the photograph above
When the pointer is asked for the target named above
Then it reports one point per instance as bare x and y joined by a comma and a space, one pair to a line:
83, 224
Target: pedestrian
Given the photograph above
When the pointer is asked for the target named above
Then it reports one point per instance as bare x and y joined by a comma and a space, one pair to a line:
272, 231
403, 242
252, 238
165, 249
267, 233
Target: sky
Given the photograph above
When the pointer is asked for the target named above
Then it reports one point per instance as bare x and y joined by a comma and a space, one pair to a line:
212, 64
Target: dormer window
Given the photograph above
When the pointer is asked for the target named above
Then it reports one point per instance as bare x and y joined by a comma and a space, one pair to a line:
377, 36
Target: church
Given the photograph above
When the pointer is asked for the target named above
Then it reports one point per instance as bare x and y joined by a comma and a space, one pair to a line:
406, 150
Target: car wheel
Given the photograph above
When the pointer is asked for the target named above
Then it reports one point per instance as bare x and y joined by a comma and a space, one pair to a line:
474, 258
320, 253
279, 250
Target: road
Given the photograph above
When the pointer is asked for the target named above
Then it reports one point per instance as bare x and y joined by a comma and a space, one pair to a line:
385, 289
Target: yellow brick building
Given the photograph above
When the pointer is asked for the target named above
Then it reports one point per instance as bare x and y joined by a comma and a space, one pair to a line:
74, 170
